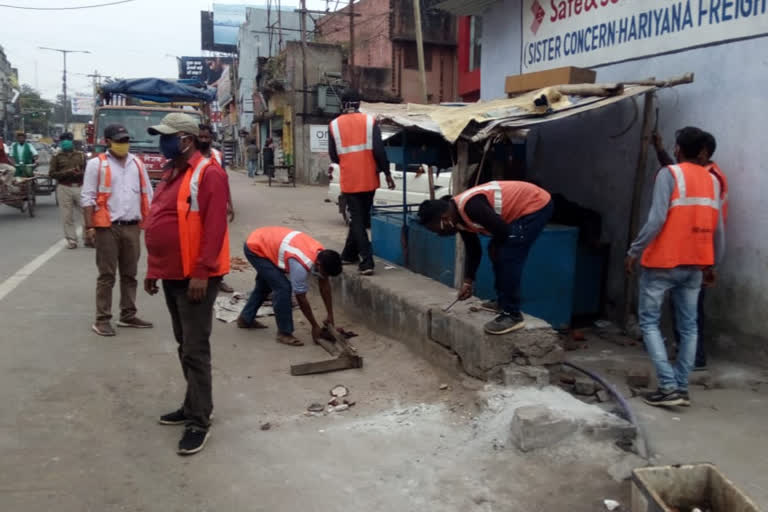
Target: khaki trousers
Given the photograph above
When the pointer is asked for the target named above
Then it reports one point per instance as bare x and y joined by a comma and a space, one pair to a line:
69, 208
117, 248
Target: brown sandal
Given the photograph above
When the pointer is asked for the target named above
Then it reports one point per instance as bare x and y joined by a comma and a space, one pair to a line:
290, 340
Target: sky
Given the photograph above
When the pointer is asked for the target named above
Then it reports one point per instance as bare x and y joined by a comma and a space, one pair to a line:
138, 39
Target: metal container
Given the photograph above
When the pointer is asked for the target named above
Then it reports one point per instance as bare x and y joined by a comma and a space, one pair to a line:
681, 488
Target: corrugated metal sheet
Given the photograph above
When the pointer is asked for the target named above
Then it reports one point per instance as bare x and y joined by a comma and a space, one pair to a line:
478, 121
465, 7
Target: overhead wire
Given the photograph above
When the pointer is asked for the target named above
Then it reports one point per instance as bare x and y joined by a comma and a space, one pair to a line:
72, 8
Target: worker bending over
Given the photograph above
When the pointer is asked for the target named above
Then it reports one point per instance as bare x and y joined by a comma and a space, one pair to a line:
284, 260
513, 213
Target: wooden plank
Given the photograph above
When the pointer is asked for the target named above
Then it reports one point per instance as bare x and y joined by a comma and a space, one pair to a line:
459, 179
346, 362
637, 194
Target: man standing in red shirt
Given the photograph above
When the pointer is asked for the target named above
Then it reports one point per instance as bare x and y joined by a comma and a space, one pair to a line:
188, 249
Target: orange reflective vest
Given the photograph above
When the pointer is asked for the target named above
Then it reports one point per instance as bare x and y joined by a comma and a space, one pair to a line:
279, 245
510, 199
687, 237
715, 169
353, 136
101, 216
190, 223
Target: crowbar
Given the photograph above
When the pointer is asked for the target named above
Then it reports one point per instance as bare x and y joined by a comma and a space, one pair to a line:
449, 306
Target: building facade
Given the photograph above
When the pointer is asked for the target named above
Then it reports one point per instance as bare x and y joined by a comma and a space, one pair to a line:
592, 159
8, 84
383, 53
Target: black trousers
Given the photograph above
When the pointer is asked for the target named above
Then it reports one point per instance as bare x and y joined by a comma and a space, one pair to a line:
358, 246
192, 325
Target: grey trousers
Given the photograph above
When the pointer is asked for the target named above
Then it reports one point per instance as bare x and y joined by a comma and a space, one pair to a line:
192, 326
69, 207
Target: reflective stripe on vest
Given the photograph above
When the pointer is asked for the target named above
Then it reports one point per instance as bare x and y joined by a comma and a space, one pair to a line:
194, 185
105, 176
469, 194
684, 200
285, 247
344, 150
217, 156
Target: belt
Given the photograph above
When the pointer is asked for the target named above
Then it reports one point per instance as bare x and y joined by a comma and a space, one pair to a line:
125, 222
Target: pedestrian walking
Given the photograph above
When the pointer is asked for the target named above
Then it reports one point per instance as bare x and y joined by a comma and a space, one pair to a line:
252, 154
269, 157
284, 259
116, 195
357, 147
188, 249
705, 159
513, 213
679, 245
67, 167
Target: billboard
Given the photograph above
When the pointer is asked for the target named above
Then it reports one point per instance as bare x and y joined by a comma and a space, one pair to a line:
588, 33
209, 70
226, 23
82, 105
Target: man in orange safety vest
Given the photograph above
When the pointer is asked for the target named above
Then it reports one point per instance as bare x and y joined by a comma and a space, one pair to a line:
679, 245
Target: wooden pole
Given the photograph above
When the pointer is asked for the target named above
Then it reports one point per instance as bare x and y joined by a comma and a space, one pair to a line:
304, 93
352, 74
458, 179
637, 194
420, 49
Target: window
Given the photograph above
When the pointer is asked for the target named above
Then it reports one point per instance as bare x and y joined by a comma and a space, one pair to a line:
411, 58
475, 42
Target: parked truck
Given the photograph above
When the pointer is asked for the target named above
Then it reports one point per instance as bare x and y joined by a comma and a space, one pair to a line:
140, 103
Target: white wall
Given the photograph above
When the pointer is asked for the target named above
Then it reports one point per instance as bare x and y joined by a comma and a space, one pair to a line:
728, 98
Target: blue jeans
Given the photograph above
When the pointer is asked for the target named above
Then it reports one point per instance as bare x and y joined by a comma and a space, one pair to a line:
251, 168
685, 285
269, 278
511, 254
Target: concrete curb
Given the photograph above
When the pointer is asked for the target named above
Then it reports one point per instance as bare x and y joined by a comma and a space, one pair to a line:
407, 306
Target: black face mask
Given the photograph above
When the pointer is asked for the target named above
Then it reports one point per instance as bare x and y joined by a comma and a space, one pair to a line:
204, 146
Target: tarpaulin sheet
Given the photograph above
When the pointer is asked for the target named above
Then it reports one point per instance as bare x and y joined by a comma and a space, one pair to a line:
158, 90
477, 121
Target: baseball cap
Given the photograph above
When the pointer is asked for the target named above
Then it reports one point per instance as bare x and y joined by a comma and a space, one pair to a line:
116, 132
174, 123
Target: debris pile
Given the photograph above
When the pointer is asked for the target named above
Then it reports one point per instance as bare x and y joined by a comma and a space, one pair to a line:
337, 403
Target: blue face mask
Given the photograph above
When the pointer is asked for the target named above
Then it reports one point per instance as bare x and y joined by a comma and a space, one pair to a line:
170, 145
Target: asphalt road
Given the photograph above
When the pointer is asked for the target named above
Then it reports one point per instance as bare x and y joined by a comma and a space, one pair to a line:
78, 415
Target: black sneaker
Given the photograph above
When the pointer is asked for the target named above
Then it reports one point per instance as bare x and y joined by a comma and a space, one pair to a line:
701, 367
345, 261
193, 440
176, 418
662, 398
685, 397
173, 418
504, 323
366, 271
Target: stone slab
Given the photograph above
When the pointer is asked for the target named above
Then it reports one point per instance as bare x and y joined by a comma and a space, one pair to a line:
535, 426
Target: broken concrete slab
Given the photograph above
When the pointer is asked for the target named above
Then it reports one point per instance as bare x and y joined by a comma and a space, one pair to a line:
622, 469
584, 386
536, 426
516, 375
407, 307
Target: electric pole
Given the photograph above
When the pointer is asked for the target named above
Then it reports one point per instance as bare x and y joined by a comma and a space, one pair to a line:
64, 80
420, 49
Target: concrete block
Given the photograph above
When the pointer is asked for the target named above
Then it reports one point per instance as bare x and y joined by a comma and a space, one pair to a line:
603, 396
554, 356
639, 378
612, 428
514, 375
441, 357
535, 427
584, 386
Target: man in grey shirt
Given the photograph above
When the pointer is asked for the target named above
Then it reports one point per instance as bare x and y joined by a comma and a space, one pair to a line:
680, 243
